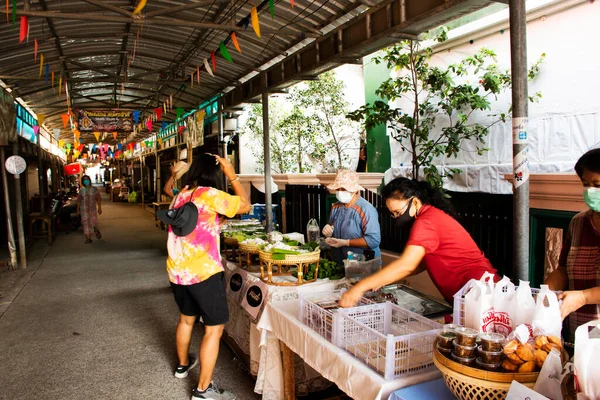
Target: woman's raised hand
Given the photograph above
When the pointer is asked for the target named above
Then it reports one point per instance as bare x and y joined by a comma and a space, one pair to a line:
226, 167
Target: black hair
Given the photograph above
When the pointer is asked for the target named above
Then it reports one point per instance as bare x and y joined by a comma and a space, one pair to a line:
86, 176
404, 189
204, 172
589, 161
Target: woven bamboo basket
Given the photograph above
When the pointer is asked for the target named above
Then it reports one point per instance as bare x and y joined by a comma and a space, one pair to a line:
270, 267
246, 253
230, 248
467, 383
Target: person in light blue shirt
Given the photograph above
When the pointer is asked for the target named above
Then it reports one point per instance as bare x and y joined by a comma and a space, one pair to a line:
354, 222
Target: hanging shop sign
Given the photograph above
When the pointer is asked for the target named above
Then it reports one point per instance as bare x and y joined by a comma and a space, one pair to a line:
73, 169
105, 121
15, 165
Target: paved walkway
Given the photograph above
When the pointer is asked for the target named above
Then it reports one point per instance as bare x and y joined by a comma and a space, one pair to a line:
97, 321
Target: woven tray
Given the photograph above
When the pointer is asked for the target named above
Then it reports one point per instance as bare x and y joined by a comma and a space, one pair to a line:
230, 241
283, 267
291, 259
248, 248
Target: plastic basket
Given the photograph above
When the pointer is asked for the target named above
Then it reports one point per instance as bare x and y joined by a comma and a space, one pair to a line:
362, 269
318, 318
459, 301
391, 340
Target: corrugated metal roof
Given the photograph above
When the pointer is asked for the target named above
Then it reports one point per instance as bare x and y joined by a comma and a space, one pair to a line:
120, 62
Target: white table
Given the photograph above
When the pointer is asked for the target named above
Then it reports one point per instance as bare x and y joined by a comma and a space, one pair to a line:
265, 360
279, 322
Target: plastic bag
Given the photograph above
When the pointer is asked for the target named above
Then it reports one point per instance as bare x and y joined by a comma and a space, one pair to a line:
547, 319
479, 305
525, 305
518, 391
587, 354
504, 306
550, 377
312, 231
132, 197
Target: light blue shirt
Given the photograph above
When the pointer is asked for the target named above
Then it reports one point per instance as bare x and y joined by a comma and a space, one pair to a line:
360, 220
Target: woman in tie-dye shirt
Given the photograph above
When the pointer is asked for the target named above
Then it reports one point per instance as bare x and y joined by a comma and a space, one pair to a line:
195, 269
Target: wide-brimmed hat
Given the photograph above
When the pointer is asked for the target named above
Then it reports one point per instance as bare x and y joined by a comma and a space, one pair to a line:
346, 179
183, 219
180, 168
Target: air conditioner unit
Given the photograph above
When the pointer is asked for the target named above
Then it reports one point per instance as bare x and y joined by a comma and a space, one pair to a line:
229, 125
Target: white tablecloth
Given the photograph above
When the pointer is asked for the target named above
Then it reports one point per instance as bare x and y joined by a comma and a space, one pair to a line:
265, 360
280, 321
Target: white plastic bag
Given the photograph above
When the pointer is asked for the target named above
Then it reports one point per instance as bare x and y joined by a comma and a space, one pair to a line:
504, 306
479, 304
518, 391
587, 354
525, 305
547, 319
550, 377
312, 231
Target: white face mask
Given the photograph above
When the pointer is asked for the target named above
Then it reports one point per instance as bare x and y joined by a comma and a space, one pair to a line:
344, 196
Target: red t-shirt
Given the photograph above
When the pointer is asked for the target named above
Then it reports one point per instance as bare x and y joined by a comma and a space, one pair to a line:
451, 256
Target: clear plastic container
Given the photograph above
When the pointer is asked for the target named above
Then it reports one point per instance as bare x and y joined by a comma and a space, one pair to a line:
450, 328
446, 352
492, 341
488, 367
466, 336
490, 357
445, 340
464, 351
468, 361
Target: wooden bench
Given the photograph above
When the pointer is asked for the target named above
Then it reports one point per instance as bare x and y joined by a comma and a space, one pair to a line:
46, 222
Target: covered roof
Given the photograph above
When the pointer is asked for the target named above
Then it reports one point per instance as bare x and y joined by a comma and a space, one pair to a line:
108, 58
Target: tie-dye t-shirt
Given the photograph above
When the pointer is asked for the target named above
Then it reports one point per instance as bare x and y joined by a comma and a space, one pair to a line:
196, 257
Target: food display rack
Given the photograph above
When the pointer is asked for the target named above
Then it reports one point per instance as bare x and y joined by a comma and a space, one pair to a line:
269, 267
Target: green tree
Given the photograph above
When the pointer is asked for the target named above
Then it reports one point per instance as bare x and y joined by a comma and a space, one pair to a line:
302, 139
322, 101
430, 95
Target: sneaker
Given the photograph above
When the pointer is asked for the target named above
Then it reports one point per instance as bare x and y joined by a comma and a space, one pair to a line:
182, 370
212, 392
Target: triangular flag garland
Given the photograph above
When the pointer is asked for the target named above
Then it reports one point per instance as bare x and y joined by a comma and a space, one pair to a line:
254, 19
233, 37
149, 125
97, 135
136, 116
224, 52
41, 118
178, 112
158, 111
57, 134
292, 3
35, 49
65, 119
208, 68
214, 60
41, 64
272, 8
115, 135
24, 28
36, 129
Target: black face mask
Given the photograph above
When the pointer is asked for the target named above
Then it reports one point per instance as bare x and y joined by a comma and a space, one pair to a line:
405, 220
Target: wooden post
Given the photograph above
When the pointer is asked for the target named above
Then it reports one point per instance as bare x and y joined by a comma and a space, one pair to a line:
289, 385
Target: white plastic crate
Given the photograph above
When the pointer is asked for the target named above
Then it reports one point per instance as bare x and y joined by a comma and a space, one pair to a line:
459, 301
318, 318
391, 340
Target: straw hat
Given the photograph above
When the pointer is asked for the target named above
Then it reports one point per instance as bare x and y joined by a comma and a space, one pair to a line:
180, 168
346, 179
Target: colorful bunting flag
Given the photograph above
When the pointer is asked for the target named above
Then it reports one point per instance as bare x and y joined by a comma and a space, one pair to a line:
47, 73
115, 135
119, 146
60, 144
136, 116
170, 101
158, 111
97, 135
140, 6
208, 67
163, 126
160, 141
69, 146
24, 28
57, 134
254, 19
41, 64
272, 8
41, 118
35, 49
60, 87
181, 129
149, 125
224, 52
65, 119
14, 13
178, 112
292, 3
52, 79
165, 107
7, 12
235, 42
214, 60
36, 129
77, 134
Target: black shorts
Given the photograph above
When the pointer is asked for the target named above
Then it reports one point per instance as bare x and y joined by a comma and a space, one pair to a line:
207, 299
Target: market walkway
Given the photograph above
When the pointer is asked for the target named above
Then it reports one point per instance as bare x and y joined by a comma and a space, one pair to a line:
96, 321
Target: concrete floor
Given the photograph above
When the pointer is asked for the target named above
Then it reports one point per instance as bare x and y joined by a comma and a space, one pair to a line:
97, 321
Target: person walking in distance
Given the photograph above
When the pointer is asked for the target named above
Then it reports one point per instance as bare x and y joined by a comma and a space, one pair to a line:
89, 206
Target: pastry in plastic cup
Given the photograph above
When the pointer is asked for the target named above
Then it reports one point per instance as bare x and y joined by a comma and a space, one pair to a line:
446, 339
464, 351
492, 341
446, 352
468, 361
466, 336
488, 367
490, 357
450, 328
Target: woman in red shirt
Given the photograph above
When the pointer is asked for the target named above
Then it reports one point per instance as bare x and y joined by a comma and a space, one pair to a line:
437, 243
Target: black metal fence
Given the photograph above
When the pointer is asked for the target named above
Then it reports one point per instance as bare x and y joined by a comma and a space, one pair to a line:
487, 217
